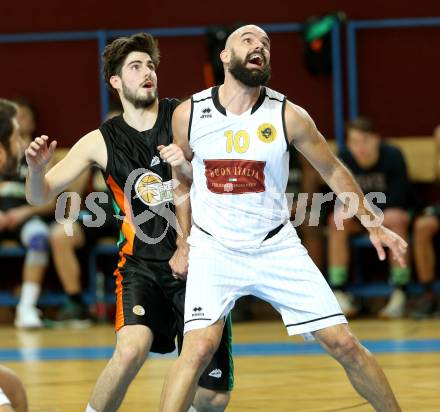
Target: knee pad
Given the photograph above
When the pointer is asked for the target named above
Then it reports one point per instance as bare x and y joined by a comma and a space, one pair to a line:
35, 235
38, 242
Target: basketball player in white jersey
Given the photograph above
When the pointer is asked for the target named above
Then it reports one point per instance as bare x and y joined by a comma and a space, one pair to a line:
241, 242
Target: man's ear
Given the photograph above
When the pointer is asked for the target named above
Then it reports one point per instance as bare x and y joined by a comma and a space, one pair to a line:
225, 56
115, 82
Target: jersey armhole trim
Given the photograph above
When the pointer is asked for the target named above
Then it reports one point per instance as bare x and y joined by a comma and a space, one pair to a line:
283, 111
190, 118
107, 171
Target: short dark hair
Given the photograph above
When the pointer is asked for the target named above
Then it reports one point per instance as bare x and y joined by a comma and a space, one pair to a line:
115, 53
8, 110
363, 124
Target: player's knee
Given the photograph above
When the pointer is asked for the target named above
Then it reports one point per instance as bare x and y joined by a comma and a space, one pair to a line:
39, 241
35, 237
201, 352
57, 236
37, 250
396, 219
220, 402
130, 356
211, 401
425, 227
345, 348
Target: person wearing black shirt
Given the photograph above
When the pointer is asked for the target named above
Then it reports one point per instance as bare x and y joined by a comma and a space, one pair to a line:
377, 167
426, 227
26, 224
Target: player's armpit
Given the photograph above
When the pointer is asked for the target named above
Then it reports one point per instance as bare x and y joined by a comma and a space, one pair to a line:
304, 135
180, 127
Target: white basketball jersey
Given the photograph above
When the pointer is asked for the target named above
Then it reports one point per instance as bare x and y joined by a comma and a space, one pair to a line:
240, 168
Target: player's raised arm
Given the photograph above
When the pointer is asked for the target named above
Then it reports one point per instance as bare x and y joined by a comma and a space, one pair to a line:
302, 132
42, 186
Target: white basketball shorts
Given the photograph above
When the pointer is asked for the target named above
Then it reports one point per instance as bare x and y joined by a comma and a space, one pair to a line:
280, 272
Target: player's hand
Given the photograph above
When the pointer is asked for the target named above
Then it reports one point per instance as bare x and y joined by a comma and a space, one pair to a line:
38, 154
16, 216
172, 154
381, 236
179, 262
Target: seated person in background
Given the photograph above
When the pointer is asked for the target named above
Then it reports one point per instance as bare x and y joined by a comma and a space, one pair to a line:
425, 228
24, 223
377, 167
11, 143
26, 118
12, 393
76, 312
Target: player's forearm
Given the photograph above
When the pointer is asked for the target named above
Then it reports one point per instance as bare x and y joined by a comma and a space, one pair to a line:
37, 188
183, 210
185, 171
43, 210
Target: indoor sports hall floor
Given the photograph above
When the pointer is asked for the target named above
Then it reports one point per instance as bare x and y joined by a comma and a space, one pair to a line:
272, 372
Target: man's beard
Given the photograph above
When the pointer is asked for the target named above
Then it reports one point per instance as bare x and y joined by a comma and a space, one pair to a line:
249, 77
136, 101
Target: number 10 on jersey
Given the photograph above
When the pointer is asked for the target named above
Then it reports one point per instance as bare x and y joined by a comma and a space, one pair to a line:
238, 141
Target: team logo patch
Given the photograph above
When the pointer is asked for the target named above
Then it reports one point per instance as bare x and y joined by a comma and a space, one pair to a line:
138, 310
197, 311
231, 176
152, 190
206, 113
216, 373
155, 161
267, 133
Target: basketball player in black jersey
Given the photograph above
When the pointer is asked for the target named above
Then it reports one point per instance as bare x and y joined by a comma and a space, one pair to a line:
149, 299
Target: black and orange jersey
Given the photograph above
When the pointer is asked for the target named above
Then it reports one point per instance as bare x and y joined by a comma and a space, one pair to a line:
140, 185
